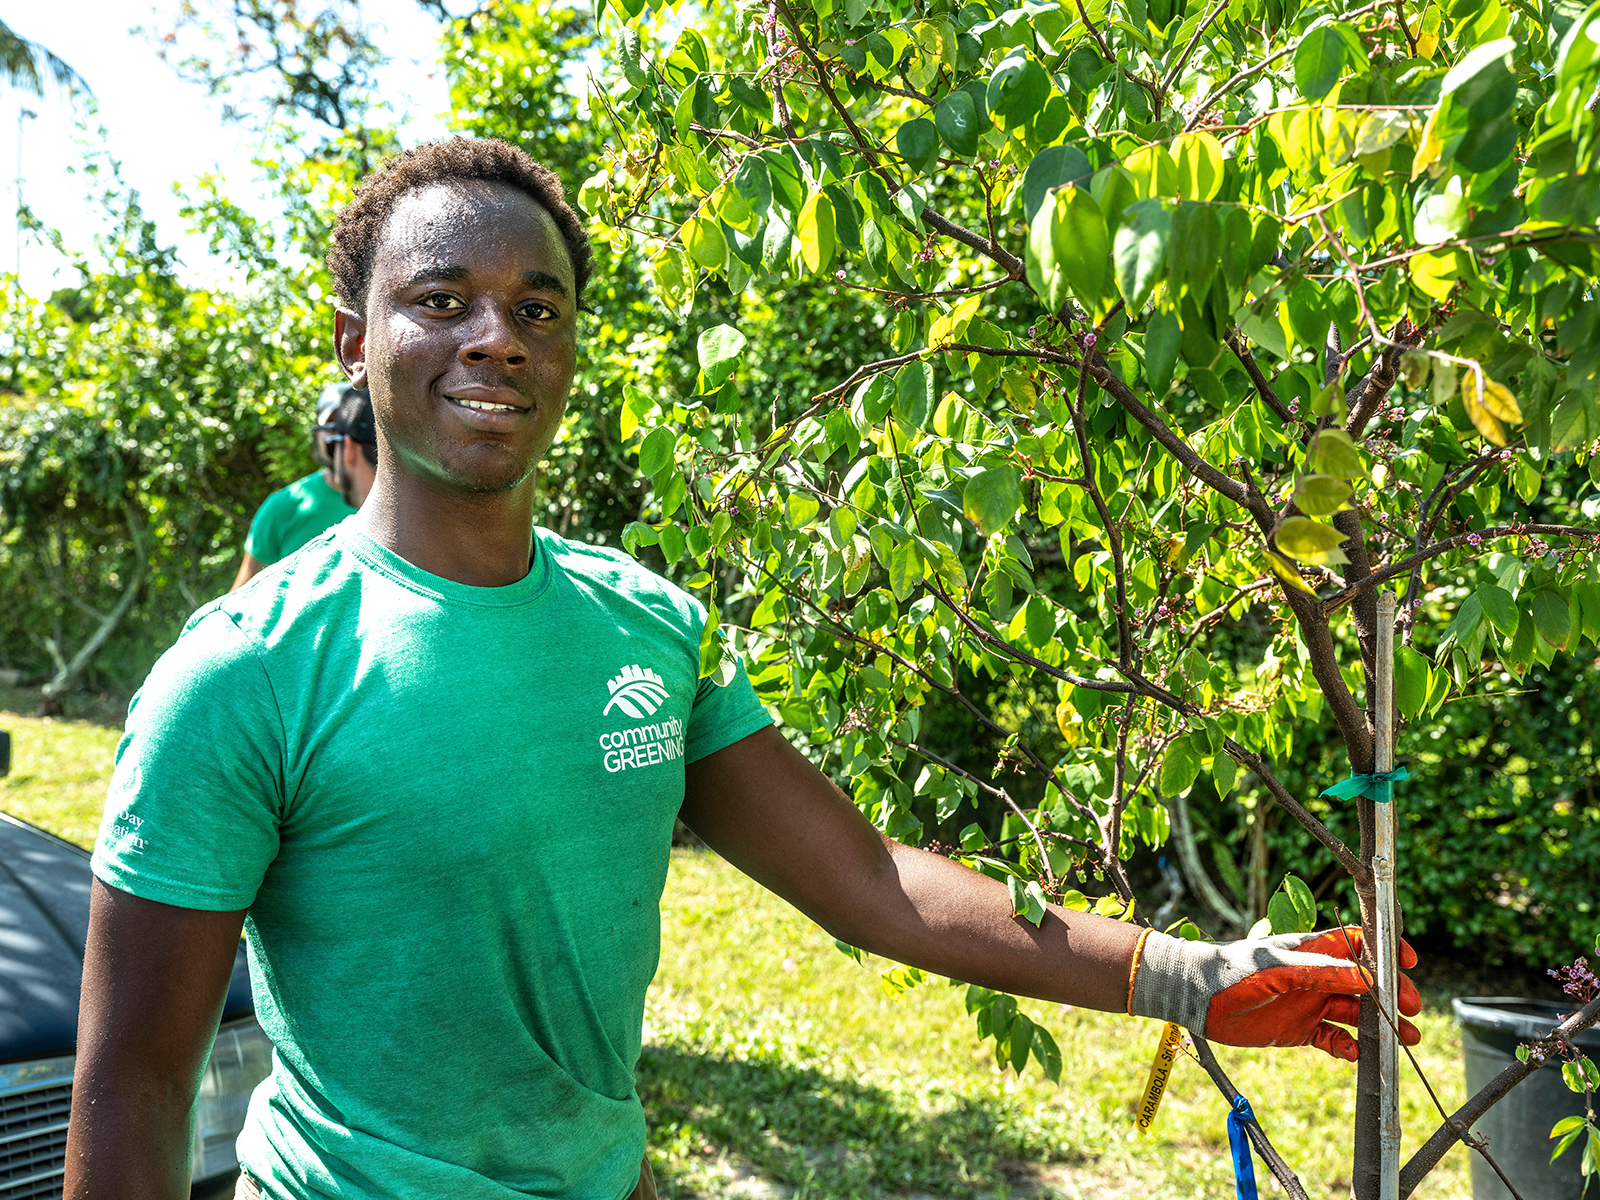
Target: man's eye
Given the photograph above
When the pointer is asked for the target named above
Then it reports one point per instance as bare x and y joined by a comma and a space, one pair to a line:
441, 300
539, 311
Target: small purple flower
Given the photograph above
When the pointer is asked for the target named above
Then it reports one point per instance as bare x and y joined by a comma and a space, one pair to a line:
838, 274
1474, 540
849, 41
1089, 339
1294, 407
1030, 331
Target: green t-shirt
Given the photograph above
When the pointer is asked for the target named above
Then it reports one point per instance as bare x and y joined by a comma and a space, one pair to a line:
449, 811
292, 516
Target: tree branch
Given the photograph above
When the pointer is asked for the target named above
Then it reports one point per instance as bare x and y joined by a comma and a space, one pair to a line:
1456, 1126
1340, 599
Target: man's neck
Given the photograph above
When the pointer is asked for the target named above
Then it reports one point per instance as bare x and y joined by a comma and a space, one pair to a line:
478, 540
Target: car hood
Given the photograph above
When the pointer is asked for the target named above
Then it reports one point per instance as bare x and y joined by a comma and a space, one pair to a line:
44, 921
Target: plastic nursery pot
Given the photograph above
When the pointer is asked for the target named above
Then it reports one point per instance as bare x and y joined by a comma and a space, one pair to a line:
1518, 1128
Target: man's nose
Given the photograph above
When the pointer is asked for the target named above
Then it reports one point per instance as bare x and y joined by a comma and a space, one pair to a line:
490, 334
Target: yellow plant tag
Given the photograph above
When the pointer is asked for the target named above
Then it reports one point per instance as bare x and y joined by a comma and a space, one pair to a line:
1160, 1070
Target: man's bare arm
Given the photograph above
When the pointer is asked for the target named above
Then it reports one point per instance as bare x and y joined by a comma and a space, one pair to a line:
249, 568
155, 978
762, 806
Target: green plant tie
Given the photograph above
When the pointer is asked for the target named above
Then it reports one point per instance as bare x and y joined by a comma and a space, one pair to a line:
1379, 786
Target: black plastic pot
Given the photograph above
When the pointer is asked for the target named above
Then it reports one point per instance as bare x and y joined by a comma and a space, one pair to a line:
1518, 1128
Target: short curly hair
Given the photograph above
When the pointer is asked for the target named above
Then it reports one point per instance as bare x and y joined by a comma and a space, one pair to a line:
491, 160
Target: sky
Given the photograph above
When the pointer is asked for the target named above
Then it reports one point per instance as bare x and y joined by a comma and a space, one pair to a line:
163, 131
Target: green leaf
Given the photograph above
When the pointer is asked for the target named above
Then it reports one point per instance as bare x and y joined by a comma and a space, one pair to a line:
1224, 772
1081, 247
957, 121
991, 498
1335, 454
1280, 912
913, 393
1465, 621
672, 542
711, 645
1567, 1139
905, 569
1161, 341
1049, 169
1017, 90
1550, 617
1499, 607
1180, 767
719, 349
1572, 1076
1027, 900
1236, 238
1319, 61
656, 450
1322, 495
918, 143
1410, 681
1141, 251
1021, 1041
815, 229
1047, 1053
1305, 904
1310, 541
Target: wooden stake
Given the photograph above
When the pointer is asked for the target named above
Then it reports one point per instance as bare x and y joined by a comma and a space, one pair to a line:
1386, 951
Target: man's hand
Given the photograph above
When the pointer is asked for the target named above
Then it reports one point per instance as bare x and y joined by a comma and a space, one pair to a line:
1291, 990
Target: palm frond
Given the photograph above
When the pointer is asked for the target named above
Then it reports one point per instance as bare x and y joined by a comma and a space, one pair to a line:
26, 65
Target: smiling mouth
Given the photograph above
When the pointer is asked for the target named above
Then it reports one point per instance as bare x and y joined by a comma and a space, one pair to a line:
485, 406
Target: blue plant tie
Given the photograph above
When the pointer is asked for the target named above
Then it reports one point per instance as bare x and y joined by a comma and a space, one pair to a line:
1378, 786
1244, 1167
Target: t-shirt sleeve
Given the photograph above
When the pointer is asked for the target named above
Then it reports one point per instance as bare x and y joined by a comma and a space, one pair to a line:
192, 815
265, 540
723, 715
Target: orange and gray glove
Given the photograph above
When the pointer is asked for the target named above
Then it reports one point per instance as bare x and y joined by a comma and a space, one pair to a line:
1275, 991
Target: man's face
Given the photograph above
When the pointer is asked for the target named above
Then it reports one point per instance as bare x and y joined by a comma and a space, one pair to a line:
469, 342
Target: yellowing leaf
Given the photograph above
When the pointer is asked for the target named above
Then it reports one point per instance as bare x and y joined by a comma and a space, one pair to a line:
1432, 140
1286, 573
1199, 161
1488, 404
1071, 730
1310, 541
816, 232
1154, 173
1436, 272
951, 326
1428, 33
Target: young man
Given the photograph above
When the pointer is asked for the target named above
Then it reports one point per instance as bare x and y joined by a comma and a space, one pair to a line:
292, 516
432, 764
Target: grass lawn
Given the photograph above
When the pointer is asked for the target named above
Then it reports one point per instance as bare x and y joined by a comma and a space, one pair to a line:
59, 766
772, 1059
775, 1066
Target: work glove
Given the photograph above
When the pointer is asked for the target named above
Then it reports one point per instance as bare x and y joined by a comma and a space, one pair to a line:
1275, 991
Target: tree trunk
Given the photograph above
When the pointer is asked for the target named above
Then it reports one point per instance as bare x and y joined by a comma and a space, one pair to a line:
68, 673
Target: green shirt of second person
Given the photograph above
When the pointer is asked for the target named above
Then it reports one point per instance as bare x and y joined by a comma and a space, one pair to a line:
292, 516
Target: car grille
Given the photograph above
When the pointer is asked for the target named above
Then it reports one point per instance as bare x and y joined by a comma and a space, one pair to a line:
33, 1141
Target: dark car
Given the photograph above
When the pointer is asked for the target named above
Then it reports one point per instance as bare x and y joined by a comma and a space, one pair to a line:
44, 920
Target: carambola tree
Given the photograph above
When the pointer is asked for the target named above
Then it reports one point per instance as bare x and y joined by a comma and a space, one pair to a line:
1201, 326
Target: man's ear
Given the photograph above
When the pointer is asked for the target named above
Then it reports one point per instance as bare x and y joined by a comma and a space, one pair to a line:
350, 343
